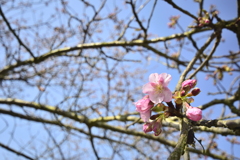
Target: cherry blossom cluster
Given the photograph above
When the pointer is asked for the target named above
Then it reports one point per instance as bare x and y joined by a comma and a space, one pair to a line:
173, 21
208, 17
159, 100
202, 21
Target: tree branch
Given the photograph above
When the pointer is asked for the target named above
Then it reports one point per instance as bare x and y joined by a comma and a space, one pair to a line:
13, 32
14, 151
180, 9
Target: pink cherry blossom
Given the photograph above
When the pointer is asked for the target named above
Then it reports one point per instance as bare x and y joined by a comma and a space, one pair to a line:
157, 88
143, 106
193, 113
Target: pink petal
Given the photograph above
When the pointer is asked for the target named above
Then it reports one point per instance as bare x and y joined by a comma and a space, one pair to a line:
154, 77
147, 127
154, 85
167, 95
147, 88
194, 114
156, 97
145, 116
145, 105
165, 78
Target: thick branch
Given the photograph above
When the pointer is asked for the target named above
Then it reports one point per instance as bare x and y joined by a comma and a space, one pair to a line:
231, 124
63, 51
179, 148
94, 123
229, 102
47, 108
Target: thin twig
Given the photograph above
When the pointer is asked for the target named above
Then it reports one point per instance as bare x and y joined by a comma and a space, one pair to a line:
180, 9
137, 19
14, 151
192, 62
13, 32
208, 57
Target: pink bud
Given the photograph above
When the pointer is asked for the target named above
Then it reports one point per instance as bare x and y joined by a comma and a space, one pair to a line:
206, 21
143, 106
183, 93
195, 91
147, 127
193, 113
190, 82
154, 126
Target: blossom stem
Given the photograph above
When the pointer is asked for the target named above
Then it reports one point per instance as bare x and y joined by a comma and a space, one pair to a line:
173, 111
178, 107
170, 104
171, 108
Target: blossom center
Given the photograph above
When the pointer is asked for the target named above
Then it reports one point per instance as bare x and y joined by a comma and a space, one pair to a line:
159, 88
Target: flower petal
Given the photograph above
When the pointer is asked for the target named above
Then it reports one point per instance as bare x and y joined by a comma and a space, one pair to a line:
147, 127
156, 97
145, 116
147, 88
154, 77
167, 95
165, 79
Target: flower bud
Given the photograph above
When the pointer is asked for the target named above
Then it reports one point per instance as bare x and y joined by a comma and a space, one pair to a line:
206, 21
195, 91
143, 106
154, 126
193, 113
147, 127
183, 93
189, 83
186, 88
